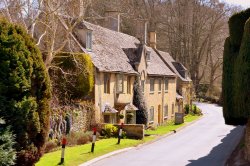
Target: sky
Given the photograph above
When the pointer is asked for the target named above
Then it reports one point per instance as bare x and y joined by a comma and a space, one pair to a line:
244, 3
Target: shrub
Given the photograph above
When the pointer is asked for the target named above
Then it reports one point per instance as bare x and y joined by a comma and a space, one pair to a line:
51, 145
79, 138
7, 152
110, 131
24, 92
139, 102
186, 108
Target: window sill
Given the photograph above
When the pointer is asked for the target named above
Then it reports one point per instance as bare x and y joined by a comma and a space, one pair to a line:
166, 91
150, 122
151, 92
159, 92
166, 117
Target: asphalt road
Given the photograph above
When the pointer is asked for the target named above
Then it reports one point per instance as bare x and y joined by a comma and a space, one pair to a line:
208, 142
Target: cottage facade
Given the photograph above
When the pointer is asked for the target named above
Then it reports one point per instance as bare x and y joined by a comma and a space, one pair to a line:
184, 83
114, 76
118, 59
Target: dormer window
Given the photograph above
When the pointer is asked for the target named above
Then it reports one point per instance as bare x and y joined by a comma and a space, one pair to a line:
89, 41
148, 56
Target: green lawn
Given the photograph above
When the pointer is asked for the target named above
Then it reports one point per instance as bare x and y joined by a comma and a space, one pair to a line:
161, 130
80, 154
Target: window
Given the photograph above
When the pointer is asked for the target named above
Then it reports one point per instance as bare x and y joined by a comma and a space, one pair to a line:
106, 83
119, 85
129, 85
110, 118
151, 114
152, 85
165, 111
89, 41
172, 108
159, 85
166, 85
148, 56
142, 85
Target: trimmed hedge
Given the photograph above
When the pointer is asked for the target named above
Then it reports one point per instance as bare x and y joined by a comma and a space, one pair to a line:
236, 27
236, 70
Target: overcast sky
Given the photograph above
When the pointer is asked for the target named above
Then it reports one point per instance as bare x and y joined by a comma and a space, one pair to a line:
244, 3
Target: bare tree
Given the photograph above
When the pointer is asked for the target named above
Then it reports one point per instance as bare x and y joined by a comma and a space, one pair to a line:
49, 22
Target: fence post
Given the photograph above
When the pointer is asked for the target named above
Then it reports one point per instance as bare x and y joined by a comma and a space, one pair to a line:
63, 150
120, 134
93, 141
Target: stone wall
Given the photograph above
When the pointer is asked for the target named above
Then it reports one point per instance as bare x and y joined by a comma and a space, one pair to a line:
135, 131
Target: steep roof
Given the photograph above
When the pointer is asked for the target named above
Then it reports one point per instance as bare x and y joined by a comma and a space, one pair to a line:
156, 66
107, 49
176, 67
134, 54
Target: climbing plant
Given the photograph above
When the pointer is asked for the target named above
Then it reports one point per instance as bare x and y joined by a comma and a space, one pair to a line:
73, 76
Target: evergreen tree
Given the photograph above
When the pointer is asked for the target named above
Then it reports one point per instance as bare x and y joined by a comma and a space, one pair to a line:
24, 92
7, 152
236, 71
139, 102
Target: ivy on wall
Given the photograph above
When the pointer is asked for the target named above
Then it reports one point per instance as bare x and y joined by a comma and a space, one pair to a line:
73, 76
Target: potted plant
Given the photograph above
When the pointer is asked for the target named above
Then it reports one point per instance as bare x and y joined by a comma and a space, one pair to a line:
129, 117
121, 116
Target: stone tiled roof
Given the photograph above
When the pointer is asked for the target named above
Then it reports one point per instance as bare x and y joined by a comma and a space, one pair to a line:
175, 66
108, 49
156, 66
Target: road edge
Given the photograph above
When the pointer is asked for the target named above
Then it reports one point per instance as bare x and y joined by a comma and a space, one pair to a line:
140, 145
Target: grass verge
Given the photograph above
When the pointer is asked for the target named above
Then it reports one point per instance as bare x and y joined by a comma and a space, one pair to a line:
80, 154
164, 129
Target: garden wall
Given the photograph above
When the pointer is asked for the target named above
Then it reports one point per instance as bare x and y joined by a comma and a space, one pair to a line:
135, 131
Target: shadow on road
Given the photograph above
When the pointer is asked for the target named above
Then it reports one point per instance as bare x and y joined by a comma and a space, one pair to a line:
214, 158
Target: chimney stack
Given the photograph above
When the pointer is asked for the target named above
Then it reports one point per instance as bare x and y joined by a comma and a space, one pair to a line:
142, 30
152, 39
112, 20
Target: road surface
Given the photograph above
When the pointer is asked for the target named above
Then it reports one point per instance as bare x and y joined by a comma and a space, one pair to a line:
208, 142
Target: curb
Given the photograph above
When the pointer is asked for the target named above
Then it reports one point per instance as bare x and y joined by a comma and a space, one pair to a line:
106, 156
170, 133
140, 145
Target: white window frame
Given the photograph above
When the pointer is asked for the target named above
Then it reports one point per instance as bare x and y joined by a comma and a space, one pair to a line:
119, 80
150, 84
151, 114
106, 83
129, 84
173, 109
159, 85
89, 40
165, 111
166, 86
